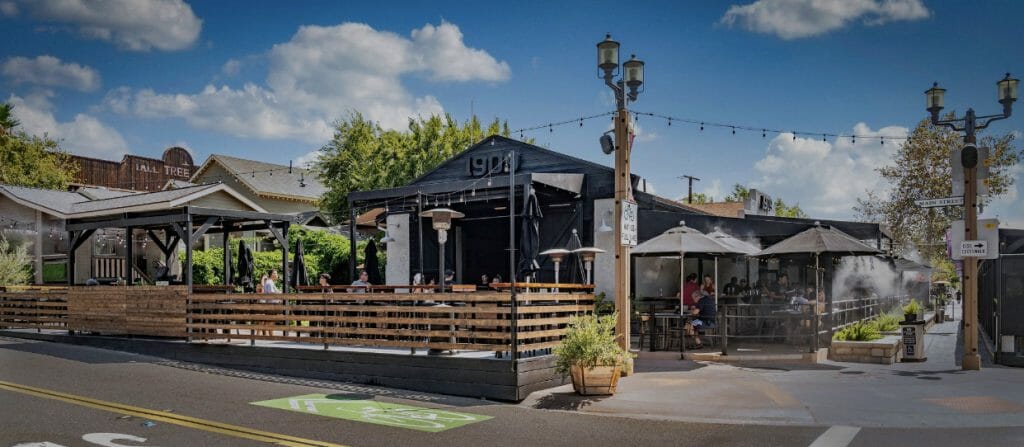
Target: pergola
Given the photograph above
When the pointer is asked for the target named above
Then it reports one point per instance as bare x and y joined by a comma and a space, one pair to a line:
188, 224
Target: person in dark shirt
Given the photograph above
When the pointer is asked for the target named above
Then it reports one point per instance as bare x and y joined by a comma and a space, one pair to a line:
733, 288
704, 314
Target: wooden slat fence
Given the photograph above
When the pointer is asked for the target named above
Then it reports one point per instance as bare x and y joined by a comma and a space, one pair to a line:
447, 321
33, 308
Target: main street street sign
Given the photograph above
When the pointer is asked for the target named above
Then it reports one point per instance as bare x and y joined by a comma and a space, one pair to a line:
974, 249
945, 201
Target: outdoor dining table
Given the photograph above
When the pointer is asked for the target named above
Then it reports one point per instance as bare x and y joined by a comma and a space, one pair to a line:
664, 320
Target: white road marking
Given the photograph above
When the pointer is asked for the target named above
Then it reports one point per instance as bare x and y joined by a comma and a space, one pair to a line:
836, 436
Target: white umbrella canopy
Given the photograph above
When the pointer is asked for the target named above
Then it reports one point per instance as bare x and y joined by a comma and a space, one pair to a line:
682, 239
817, 240
732, 242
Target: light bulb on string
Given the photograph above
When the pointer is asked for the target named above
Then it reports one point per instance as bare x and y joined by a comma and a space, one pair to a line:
734, 130
670, 122
794, 135
701, 127
764, 134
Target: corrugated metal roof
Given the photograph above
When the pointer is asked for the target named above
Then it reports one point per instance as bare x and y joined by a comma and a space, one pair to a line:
138, 199
254, 175
59, 201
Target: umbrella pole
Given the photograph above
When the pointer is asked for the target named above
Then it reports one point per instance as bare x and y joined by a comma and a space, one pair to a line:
716, 282
814, 310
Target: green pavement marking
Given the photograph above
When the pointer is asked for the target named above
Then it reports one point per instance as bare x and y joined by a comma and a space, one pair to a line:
342, 407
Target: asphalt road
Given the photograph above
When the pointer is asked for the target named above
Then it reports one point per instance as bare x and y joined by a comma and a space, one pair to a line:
71, 396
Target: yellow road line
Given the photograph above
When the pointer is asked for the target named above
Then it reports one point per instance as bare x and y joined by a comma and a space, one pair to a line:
170, 418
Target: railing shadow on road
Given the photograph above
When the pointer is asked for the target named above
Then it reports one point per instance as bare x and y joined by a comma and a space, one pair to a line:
74, 353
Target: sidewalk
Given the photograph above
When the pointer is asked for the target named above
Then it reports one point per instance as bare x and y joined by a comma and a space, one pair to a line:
935, 393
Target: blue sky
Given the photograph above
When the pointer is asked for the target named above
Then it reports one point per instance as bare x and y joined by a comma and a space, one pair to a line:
266, 79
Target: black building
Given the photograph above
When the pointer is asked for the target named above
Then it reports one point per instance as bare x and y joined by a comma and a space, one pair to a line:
573, 194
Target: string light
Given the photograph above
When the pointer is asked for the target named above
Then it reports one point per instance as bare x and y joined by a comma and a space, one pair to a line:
765, 130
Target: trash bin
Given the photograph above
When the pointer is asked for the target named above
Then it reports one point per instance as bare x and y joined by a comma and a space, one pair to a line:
913, 341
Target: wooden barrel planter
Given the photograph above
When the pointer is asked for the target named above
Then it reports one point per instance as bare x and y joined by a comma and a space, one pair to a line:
597, 381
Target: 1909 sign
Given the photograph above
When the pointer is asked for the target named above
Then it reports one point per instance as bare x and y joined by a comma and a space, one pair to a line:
484, 164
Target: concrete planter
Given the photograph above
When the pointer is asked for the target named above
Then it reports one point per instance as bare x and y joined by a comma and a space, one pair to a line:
885, 350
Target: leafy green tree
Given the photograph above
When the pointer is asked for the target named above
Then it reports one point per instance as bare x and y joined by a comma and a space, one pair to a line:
740, 193
7, 121
921, 170
15, 264
362, 155
27, 160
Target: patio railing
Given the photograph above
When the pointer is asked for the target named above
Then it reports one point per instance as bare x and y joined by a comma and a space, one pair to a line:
35, 307
379, 317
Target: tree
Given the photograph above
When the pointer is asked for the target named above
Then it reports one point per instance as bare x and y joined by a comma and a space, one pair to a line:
698, 198
921, 170
7, 121
15, 264
363, 156
740, 193
27, 160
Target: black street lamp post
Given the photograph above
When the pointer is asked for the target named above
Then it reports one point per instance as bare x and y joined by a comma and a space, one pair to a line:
969, 124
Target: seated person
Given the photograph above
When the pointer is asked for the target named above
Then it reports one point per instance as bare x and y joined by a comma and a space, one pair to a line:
733, 288
485, 282
688, 288
325, 282
704, 314
363, 282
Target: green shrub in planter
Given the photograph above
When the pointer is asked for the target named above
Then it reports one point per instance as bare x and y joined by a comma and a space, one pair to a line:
912, 310
859, 331
887, 322
588, 342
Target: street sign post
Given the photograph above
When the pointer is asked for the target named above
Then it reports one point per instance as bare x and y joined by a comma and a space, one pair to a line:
945, 201
974, 249
987, 231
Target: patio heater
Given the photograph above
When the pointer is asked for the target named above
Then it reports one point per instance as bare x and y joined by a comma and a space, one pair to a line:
588, 254
556, 255
441, 220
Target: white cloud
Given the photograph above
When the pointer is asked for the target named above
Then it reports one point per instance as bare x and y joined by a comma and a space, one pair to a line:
51, 72
308, 159
794, 19
137, 25
231, 67
714, 190
8, 9
321, 75
826, 178
1009, 207
83, 135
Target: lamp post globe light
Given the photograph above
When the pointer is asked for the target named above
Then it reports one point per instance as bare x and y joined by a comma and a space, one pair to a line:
626, 90
969, 124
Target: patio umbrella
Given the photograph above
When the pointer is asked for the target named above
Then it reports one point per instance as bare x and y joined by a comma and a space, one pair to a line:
371, 265
244, 269
681, 240
529, 240
732, 242
818, 240
299, 276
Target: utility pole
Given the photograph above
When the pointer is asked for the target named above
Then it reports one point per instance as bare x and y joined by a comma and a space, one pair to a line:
691, 179
633, 75
969, 160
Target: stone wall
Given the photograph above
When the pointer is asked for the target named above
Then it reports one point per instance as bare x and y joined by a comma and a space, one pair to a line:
885, 351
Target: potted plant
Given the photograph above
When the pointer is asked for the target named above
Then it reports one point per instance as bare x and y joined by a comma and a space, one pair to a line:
911, 310
590, 355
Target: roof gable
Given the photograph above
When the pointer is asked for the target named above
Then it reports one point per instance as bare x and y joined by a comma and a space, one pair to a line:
532, 158
266, 179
